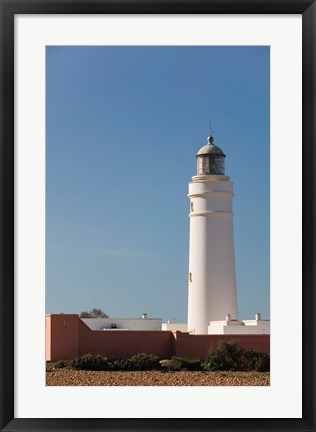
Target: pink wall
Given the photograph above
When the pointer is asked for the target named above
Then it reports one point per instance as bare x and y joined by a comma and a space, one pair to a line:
124, 343
64, 336
48, 338
68, 337
199, 345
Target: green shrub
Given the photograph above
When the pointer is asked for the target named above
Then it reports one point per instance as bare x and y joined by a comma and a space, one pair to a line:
138, 362
191, 364
90, 362
143, 362
183, 363
263, 363
226, 356
254, 360
259, 362
229, 356
214, 362
120, 365
61, 364
174, 364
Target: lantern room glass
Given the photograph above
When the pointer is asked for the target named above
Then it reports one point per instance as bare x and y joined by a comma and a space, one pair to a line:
211, 165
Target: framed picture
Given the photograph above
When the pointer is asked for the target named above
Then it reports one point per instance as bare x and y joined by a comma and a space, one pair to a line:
31, 35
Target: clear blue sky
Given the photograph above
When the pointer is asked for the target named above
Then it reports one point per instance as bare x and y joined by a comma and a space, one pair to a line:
123, 126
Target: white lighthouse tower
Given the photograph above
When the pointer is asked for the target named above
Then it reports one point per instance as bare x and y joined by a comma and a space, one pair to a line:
212, 274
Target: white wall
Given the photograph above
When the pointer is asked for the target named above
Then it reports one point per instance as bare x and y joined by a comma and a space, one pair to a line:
123, 323
175, 326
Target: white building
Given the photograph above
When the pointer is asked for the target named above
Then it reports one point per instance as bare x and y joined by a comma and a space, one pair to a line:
236, 327
172, 326
212, 275
143, 323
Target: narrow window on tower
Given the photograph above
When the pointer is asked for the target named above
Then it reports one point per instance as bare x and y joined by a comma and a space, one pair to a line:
190, 277
192, 207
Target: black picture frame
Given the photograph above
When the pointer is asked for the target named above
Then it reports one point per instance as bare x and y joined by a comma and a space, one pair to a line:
8, 10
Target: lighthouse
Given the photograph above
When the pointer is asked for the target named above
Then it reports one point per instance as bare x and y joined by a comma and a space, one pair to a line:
212, 274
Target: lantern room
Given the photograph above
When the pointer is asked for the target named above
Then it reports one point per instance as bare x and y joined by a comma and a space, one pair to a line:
210, 159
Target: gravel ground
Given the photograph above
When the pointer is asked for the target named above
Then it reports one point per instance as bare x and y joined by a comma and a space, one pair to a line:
68, 377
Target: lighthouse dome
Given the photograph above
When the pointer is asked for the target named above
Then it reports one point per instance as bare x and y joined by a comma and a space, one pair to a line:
210, 159
210, 148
